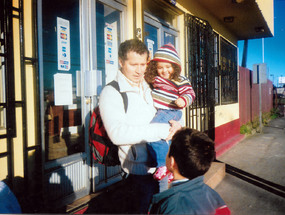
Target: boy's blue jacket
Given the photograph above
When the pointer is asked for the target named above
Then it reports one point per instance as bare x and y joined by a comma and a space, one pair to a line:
190, 197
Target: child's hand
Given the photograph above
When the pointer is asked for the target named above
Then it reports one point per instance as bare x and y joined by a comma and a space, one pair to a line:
180, 102
175, 126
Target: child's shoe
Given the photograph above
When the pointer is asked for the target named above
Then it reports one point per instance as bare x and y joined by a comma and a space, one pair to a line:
170, 177
160, 173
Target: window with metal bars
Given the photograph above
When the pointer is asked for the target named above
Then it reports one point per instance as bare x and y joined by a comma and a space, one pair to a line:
201, 70
228, 70
7, 91
2, 70
216, 66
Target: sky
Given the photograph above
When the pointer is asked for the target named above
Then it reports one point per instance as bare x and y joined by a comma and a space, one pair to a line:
274, 47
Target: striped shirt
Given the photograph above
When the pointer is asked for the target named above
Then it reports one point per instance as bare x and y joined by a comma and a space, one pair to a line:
165, 92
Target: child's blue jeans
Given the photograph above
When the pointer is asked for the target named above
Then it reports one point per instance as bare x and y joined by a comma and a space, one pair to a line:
158, 150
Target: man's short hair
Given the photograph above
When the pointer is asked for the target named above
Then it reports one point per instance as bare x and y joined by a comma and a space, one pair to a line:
134, 45
193, 152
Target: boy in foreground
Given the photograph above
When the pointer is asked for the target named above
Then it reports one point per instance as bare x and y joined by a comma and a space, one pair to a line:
189, 157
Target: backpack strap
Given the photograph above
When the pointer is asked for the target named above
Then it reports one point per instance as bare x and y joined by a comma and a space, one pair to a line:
115, 84
123, 94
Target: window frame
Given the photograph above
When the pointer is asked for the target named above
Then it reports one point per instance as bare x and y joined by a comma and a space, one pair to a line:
162, 28
228, 72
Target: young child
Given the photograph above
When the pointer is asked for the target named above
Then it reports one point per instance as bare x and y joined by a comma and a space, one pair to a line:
189, 157
171, 93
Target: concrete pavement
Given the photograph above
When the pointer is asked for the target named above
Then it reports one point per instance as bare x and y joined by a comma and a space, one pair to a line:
263, 155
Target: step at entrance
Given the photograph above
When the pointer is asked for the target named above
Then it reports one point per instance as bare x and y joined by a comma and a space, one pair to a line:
215, 174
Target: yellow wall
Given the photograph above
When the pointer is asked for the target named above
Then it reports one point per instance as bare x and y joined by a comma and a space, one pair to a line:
139, 17
226, 113
267, 9
180, 26
129, 20
4, 168
3, 161
18, 141
30, 75
192, 7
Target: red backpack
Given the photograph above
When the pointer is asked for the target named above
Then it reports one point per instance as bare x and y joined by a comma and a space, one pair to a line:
103, 150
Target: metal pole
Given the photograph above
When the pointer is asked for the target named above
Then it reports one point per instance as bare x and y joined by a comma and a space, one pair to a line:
262, 50
244, 55
260, 104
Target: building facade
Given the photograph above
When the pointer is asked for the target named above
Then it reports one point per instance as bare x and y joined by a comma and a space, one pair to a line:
56, 56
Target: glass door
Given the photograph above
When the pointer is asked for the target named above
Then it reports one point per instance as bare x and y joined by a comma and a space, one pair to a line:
63, 107
78, 52
61, 60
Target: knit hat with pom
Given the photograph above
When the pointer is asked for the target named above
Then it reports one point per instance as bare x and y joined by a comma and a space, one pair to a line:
168, 54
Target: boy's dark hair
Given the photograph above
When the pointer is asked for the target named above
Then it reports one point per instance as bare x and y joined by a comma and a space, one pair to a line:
134, 45
193, 152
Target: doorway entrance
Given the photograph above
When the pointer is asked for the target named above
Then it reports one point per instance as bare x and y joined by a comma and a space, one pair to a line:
78, 46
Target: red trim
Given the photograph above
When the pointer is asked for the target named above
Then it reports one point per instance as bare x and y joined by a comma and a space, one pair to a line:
225, 146
226, 131
226, 136
82, 211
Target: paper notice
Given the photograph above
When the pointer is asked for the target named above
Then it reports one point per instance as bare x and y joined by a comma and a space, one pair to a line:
63, 89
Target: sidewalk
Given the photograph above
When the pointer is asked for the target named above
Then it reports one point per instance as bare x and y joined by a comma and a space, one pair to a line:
262, 155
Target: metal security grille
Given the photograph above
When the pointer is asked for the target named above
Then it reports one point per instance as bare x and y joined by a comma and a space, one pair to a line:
201, 72
7, 90
12, 23
228, 71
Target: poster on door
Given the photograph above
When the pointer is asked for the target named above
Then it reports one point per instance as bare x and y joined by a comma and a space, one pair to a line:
63, 44
111, 51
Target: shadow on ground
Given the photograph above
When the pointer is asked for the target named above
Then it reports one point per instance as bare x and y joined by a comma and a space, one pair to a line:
117, 200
